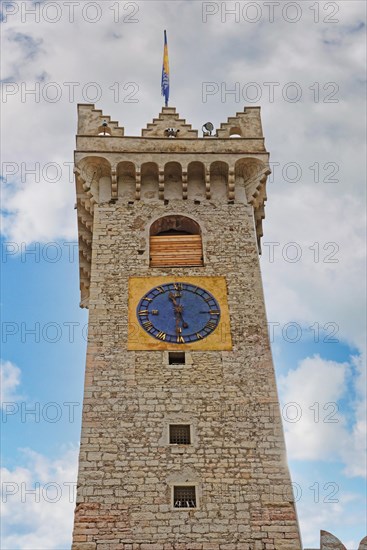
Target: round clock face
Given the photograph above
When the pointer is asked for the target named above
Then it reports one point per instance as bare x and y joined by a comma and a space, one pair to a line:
178, 313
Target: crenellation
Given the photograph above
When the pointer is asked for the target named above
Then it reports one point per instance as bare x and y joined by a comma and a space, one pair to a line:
90, 122
168, 118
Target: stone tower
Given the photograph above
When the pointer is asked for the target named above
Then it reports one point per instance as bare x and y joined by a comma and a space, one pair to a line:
182, 444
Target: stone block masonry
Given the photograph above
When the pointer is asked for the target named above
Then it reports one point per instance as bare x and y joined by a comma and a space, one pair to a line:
236, 458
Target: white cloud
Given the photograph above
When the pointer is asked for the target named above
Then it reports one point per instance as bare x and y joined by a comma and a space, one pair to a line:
326, 284
354, 454
42, 519
316, 426
314, 383
9, 382
38, 496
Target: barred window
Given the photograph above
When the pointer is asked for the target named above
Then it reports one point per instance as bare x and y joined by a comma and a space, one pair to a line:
179, 434
184, 497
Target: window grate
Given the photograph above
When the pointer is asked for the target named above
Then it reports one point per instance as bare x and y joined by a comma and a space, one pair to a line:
179, 434
176, 358
184, 497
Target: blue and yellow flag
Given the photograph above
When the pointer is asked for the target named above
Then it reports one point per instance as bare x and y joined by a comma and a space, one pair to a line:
165, 71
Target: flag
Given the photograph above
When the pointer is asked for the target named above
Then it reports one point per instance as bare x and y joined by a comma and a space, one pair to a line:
165, 71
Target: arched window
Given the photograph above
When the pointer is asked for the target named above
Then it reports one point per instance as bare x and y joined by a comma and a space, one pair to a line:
104, 130
126, 180
173, 181
219, 172
175, 241
196, 181
149, 181
235, 132
96, 175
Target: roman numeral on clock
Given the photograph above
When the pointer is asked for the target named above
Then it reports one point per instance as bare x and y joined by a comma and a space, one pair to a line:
210, 325
148, 325
161, 335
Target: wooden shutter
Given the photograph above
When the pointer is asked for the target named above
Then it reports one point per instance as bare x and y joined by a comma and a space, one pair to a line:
176, 251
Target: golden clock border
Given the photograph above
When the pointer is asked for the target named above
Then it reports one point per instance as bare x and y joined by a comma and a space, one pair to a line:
219, 340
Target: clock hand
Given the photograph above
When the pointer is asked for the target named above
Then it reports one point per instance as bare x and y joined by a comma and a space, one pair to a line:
178, 328
176, 306
178, 311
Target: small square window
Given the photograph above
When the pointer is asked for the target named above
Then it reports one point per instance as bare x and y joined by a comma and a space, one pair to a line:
176, 358
179, 434
184, 497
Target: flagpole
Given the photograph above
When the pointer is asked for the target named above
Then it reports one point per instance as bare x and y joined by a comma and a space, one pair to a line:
165, 71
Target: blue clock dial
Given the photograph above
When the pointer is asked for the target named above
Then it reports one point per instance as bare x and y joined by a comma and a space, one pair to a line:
178, 313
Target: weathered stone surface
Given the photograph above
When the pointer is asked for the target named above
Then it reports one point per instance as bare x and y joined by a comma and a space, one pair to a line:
236, 460
329, 542
168, 118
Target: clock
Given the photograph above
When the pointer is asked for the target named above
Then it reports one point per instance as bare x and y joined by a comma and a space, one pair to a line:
178, 313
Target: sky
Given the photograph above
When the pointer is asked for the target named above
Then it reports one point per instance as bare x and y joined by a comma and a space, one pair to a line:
304, 64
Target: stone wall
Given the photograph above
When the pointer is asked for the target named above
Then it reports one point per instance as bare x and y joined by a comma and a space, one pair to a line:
237, 458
